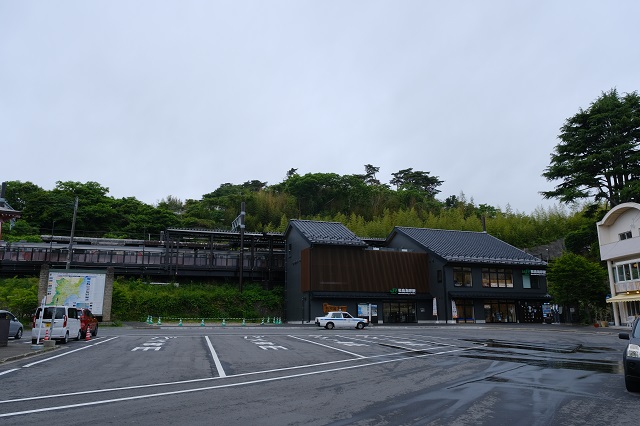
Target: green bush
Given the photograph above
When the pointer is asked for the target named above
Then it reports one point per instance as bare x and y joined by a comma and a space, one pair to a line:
20, 296
134, 300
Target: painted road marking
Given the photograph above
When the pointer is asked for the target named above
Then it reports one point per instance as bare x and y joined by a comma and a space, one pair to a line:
206, 388
67, 353
206, 379
263, 344
327, 346
154, 345
216, 360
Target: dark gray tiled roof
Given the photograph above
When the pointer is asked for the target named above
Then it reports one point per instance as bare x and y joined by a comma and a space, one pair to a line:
467, 246
329, 233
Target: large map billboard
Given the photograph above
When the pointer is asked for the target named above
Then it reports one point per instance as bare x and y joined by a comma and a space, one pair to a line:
76, 288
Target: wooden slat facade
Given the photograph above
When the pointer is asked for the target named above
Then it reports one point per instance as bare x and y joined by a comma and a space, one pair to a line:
330, 268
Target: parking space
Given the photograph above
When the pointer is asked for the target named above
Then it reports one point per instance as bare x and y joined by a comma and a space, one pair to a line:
198, 367
155, 358
139, 360
116, 361
242, 354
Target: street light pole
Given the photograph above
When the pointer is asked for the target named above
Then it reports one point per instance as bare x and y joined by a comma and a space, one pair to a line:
241, 244
238, 223
53, 225
73, 230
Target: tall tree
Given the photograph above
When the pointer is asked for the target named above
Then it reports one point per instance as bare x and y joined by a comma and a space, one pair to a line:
19, 194
171, 203
598, 156
576, 281
369, 176
408, 179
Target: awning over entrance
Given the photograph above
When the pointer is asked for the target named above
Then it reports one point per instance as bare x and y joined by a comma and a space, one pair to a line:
364, 295
624, 298
498, 295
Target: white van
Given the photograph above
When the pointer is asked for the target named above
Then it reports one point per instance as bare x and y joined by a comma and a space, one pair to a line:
62, 322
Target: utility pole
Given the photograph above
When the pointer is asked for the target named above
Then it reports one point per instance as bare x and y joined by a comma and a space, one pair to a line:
73, 230
238, 223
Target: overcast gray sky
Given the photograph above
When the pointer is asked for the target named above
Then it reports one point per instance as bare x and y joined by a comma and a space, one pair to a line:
156, 98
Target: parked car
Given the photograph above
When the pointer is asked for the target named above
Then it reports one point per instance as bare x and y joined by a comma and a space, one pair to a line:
87, 320
631, 357
15, 326
341, 319
62, 322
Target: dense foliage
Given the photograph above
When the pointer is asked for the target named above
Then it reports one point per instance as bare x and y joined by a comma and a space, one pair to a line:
134, 300
598, 157
20, 296
361, 202
575, 281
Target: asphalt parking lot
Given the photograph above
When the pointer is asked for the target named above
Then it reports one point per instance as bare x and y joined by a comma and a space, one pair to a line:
303, 374
18, 349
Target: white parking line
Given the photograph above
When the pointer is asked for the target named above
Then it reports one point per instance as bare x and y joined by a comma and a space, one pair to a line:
221, 386
216, 360
207, 379
9, 371
67, 353
327, 346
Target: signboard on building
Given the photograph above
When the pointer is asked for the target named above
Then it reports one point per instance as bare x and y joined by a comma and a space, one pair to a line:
534, 272
403, 291
363, 309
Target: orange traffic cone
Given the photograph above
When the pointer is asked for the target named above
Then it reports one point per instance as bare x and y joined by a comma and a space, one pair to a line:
46, 334
87, 337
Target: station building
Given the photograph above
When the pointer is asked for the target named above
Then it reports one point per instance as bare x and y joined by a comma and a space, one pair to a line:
619, 240
416, 275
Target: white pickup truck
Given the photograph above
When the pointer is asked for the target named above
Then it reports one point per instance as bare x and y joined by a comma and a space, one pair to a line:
341, 319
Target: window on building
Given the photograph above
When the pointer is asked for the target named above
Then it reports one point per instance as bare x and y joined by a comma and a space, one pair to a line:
625, 235
535, 281
497, 277
462, 276
626, 271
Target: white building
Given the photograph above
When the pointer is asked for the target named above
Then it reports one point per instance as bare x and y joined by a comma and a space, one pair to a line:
619, 239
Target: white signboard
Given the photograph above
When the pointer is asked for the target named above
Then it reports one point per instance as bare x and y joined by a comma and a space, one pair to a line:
77, 289
363, 309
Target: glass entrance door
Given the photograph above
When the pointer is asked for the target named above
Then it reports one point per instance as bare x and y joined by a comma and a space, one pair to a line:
500, 311
465, 311
399, 312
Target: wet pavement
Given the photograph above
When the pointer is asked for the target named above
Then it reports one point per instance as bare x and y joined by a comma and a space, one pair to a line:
18, 349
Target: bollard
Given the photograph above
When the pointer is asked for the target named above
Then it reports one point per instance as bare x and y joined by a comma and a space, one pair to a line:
244, 323
202, 323
180, 323
262, 322
223, 322
159, 321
